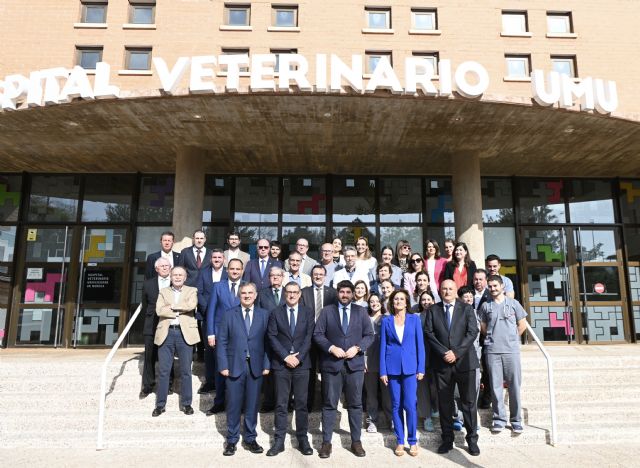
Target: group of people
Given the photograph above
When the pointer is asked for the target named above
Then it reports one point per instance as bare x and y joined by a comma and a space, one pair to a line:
402, 335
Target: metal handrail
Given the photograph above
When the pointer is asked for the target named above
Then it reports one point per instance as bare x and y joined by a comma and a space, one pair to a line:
552, 394
103, 382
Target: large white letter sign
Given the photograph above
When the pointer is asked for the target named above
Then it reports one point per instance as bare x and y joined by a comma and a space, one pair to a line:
77, 85
467, 89
340, 70
170, 79
419, 72
293, 67
101, 86
540, 93
384, 78
261, 65
196, 82
606, 99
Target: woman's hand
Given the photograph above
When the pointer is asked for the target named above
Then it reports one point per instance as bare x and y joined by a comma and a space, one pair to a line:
420, 376
385, 379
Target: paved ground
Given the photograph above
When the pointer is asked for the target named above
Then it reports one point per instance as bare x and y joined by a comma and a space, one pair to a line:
547, 456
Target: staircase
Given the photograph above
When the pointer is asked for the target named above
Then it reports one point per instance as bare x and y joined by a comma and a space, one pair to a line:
49, 399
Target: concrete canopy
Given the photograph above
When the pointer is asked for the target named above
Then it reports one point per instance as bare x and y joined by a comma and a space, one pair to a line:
317, 134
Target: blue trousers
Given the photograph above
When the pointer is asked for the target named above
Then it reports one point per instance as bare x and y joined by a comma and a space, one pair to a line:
243, 392
174, 344
220, 380
403, 390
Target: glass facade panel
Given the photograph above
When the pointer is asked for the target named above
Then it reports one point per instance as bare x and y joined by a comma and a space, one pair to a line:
392, 234
545, 245
107, 198
349, 235
547, 284
217, 199
49, 245
148, 241
500, 241
156, 198
10, 196
36, 326
42, 285
249, 236
54, 198
636, 320
439, 200
591, 202
541, 201
304, 199
6, 275
105, 245
400, 201
315, 235
597, 245
497, 201
3, 326
217, 236
630, 201
553, 323
604, 323
101, 285
256, 199
607, 276
98, 327
632, 241
7, 243
439, 234
354, 199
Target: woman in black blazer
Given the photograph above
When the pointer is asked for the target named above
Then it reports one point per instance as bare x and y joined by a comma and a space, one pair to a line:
461, 268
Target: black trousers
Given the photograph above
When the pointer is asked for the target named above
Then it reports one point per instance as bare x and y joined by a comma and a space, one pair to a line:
485, 380
313, 377
286, 380
446, 380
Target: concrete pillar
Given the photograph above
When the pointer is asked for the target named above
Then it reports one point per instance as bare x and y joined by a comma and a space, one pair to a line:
467, 204
188, 197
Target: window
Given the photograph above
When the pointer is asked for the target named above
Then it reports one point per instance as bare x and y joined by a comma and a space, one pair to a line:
142, 12
243, 69
372, 60
237, 15
518, 66
559, 23
431, 57
424, 20
565, 65
88, 57
284, 16
277, 53
138, 58
94, 12
378, 18
514, 22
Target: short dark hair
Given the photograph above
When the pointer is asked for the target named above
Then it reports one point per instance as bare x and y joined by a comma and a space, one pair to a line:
497, 278
199, 230
216, 250
317, 266
233, 233
383, 265
392, 310
482, 270
492, 257
167, 233
345, 284
464, 290
275, 243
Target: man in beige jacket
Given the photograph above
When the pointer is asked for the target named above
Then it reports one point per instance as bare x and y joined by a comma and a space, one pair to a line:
176, 333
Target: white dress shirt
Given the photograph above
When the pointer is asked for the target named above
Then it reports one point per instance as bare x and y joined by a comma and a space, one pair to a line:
168, 256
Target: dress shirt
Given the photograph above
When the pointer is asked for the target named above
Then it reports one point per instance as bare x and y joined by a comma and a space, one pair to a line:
399, 331
450, 313
203, 251
216, 275
476, 298
297, 279
237, 282
295, 313
168, 256
176, 300
163, 282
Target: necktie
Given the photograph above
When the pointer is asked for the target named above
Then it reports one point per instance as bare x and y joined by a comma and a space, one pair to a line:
233, 289
262, 267
247, 320
345, 320
198, 259
448, 316
292, 321
276, 295
318, 301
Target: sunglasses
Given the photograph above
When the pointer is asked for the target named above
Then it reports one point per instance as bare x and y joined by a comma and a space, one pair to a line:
263, 247
416, 260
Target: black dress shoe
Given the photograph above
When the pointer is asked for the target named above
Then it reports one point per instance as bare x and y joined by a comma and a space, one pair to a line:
188, 410
356, 448
229, 449
215, 409
157, 411
325, 450
206, 388
275, 449
170, 389
145, 392
445, 447
474, 449
266, 409
253, 447
304, 447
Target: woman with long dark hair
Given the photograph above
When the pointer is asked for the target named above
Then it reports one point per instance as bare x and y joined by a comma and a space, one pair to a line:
434, 264
461, 269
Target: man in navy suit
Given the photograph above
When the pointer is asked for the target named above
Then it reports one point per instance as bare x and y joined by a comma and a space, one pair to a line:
193, 258
451, 328
257, 270
213, 273
224, 296
166, 246
342, 333
243, 359
290, 332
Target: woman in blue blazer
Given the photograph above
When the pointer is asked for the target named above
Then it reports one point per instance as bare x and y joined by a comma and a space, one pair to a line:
402, 364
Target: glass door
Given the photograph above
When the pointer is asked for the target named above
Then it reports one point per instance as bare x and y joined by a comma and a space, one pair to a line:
43, 286
101, 305
601, 297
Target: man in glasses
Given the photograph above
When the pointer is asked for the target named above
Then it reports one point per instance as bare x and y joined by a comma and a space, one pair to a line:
350, 272
257, 270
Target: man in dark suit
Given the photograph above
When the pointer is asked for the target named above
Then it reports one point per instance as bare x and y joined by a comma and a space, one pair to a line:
451, 328
289, 333
342, 333
243, 359
257, 270
166, 246
224, 296
150, 290
316, 297
193, 258
211, 274
267, 298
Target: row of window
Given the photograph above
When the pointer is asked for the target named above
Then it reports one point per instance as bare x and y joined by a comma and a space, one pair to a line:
376, 18
518, 66
140, 12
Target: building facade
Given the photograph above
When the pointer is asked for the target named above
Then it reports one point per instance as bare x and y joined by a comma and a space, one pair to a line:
496, 123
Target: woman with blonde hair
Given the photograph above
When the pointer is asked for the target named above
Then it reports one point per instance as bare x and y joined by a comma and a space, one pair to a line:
364, 261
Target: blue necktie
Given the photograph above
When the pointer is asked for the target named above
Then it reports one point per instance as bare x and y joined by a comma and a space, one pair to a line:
292, 321
262, 267
233, 289
345, 320
247, 320
448, 317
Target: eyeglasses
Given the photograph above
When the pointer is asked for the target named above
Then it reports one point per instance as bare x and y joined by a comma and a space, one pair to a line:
292, 292
408, 247
263, 247
416, 260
